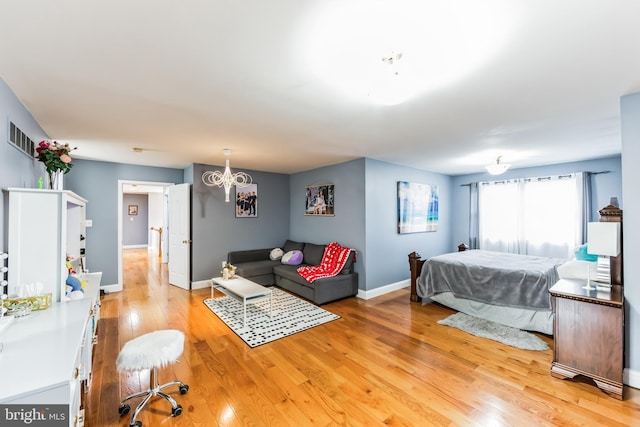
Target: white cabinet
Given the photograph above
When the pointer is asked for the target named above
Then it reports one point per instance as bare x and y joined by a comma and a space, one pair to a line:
46, 357
45, 226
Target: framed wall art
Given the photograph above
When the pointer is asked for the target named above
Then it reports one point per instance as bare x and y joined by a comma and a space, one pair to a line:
417, 207
133, 209
319, 200
247, 201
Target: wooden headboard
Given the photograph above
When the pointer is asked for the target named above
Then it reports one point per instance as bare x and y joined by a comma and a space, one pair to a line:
415, 267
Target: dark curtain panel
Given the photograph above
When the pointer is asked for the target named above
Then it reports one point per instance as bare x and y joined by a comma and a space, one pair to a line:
585, 177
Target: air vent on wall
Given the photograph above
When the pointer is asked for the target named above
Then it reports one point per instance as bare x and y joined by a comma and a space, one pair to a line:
20, 140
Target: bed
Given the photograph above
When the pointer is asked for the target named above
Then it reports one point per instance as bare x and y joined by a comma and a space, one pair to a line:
505, 288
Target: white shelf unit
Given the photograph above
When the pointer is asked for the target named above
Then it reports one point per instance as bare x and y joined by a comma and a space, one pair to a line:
45, 226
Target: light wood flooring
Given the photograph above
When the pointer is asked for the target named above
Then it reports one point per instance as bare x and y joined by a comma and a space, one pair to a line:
385, 362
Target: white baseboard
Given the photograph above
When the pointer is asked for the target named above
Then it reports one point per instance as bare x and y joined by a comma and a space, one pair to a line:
201, 284
383, 289
631, 377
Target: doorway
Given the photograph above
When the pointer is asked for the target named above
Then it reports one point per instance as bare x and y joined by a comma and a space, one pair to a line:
156, 217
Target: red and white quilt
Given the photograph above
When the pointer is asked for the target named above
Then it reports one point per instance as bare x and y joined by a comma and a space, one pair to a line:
333, 260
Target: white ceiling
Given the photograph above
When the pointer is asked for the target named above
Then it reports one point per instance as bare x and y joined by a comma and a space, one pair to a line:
539, 81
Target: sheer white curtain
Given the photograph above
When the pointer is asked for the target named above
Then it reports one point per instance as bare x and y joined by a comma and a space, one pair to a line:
537, 216
498, 215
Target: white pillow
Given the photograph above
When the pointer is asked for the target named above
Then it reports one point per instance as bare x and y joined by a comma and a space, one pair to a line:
276, 254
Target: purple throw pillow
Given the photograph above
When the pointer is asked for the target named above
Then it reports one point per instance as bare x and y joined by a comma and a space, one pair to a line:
292, 258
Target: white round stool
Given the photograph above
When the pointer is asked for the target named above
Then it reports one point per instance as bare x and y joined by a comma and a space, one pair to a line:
151, 351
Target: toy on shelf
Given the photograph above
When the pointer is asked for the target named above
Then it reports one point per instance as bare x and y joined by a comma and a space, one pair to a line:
75, 284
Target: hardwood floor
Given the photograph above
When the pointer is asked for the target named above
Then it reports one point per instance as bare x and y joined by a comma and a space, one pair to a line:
385, 362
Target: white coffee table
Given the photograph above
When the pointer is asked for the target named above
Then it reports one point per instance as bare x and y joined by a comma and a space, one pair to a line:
243, 290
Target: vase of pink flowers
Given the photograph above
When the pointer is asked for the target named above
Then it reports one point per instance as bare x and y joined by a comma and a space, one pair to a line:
56, 159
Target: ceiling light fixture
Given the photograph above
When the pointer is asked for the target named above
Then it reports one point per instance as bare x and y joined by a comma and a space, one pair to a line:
226, 179
393, 59
391, 84
498, 168
440, 45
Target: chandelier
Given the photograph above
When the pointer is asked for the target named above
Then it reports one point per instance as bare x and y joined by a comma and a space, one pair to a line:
498, 168
226, 179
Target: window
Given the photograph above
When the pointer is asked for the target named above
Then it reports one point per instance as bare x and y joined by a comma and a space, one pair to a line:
538, 216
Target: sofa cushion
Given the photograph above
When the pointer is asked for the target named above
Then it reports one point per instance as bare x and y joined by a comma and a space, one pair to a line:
292, 258
290, 272
313, 253
237, 257
256, 268
291, 245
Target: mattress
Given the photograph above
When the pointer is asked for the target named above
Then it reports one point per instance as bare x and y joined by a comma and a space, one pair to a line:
497, 278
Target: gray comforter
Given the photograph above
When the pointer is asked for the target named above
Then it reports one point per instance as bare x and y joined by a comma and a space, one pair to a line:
491, 277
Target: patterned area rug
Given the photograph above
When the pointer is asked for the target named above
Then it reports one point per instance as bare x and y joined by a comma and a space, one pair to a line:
290, 315
494, 331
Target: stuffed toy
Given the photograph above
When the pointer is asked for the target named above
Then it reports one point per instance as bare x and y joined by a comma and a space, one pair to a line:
75, 284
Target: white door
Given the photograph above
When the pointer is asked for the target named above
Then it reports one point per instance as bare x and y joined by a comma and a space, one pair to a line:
179, 235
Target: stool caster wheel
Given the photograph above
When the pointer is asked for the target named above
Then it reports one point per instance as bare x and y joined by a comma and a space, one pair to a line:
124, 409
176, 411
184, 389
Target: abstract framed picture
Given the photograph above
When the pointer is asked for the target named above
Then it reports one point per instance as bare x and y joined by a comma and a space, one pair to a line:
247, 201
319, 200
133, 210
417, 207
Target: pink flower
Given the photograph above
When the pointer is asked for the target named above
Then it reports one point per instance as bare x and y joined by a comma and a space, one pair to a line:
55, 156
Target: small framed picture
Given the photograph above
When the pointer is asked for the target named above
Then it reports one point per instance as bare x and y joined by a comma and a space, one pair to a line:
319, 200
247, 201
133, 209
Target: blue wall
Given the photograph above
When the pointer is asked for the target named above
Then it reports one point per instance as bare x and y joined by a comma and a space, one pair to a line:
215, 230
135, 228
386, 250
347, 227
604, 186
16, 168
98, 183
630, 106
366, 217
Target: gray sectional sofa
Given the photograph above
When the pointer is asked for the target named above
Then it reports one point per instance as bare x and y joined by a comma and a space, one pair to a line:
256, 265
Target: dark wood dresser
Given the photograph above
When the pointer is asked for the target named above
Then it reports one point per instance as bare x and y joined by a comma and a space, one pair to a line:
588, 328
588, 334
